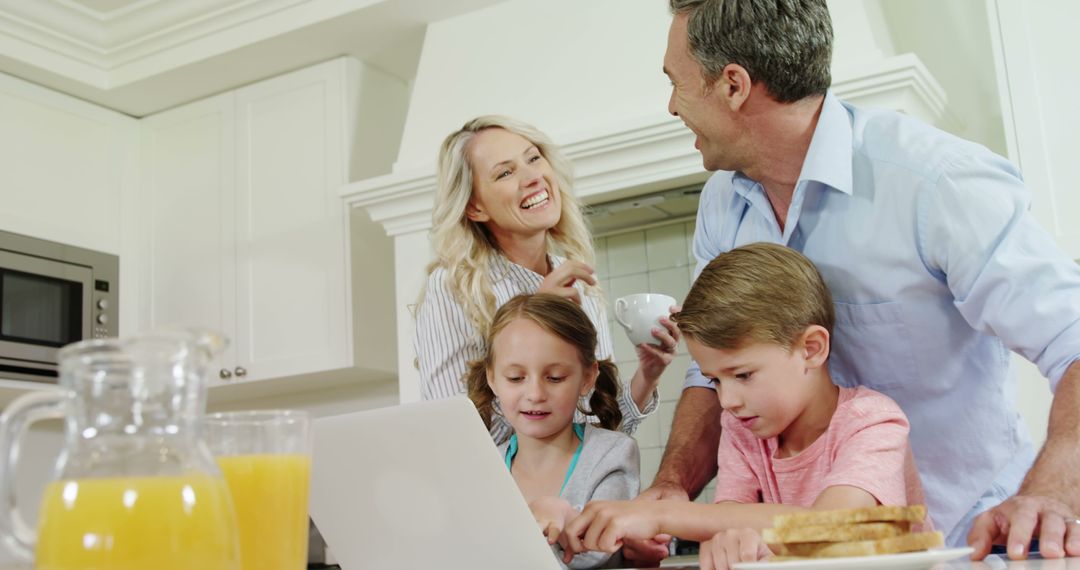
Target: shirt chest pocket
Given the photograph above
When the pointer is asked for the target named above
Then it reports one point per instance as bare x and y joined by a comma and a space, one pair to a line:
872, 347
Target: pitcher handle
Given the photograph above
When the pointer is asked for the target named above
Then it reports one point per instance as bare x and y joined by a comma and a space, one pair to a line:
620, 312
17, 417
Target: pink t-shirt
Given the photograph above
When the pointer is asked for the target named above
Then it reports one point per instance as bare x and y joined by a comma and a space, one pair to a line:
866, 446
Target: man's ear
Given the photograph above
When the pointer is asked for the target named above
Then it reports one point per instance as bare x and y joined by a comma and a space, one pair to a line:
490, 379
590, 378
733, 86
815, 346
476, 213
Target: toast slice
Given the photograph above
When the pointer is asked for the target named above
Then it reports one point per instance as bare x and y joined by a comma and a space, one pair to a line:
839, 533
892, 545
881, 513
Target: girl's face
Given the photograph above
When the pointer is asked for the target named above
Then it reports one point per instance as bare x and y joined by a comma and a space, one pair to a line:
538, 378
515, 193
764, 386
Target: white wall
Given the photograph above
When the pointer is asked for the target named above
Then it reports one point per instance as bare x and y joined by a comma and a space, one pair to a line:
563, 65
1035, 59
65, 163
953, 40
571, 68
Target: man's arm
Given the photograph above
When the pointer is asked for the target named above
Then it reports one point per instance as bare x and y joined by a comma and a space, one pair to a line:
1049, 497
689, 460
1056, 472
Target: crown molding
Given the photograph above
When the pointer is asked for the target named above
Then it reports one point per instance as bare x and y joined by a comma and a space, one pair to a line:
651, 153
140, 39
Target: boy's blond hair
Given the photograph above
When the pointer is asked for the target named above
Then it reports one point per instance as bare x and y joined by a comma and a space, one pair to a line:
757, 293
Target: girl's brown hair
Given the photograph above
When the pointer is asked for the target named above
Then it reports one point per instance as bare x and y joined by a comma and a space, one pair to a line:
566, 320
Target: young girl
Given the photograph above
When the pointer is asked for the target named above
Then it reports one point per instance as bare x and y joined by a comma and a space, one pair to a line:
539, 365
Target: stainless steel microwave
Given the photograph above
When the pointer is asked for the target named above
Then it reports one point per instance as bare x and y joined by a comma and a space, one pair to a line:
51, 295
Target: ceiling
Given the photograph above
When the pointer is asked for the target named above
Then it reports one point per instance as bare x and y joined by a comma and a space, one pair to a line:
143, 56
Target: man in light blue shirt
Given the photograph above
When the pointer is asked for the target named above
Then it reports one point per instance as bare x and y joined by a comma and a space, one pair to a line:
937, 268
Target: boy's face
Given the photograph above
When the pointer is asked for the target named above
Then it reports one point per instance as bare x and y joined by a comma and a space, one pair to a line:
765, 386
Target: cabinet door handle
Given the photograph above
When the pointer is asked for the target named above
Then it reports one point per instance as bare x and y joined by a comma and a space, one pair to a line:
225, 374
241, 371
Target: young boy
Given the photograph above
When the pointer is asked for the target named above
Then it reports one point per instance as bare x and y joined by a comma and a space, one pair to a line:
758, 321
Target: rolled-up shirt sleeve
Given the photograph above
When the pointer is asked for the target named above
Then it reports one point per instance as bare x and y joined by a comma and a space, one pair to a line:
1007, 274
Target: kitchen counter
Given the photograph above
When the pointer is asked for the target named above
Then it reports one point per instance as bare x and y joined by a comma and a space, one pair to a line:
690, 563
992, 562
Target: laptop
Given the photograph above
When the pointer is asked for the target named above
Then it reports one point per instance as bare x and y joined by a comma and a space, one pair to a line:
420, 486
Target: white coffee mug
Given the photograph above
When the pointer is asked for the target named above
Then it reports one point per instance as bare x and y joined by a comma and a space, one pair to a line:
639, 313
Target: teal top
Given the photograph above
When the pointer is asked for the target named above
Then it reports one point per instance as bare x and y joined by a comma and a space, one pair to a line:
579, 429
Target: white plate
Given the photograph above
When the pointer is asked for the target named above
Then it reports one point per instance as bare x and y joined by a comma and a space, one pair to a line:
903, 561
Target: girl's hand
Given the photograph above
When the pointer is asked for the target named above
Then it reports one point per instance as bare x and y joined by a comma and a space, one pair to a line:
561, 280
552, 514
653, 359
732, 546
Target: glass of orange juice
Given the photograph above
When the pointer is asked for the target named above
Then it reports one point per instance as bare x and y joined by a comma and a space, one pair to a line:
265, 457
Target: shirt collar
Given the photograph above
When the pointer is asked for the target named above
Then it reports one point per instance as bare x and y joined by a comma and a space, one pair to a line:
828, 160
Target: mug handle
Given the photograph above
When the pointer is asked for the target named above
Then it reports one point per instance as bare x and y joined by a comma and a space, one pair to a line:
620, 310
17, 417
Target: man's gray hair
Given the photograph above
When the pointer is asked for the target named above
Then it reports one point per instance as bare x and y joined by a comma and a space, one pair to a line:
784, 44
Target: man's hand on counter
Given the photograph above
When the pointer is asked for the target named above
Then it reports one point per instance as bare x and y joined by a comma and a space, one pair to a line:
1015, 522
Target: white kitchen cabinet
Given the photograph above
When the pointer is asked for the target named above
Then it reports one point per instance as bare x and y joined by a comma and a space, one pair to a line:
245, 232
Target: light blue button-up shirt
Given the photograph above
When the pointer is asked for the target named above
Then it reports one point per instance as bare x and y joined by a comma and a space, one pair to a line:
937, 270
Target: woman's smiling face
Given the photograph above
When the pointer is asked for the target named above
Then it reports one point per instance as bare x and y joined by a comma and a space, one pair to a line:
515, 193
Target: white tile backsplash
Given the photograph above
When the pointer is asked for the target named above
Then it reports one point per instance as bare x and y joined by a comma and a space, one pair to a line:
688, 230
671, 382
673, 281
650, 463
665, 246
601, 266
655, 260
626, 254
666, 411
648, 432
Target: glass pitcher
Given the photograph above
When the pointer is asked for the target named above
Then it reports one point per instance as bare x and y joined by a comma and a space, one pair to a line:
135, 485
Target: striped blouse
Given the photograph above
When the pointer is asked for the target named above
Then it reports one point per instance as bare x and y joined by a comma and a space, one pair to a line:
446, 341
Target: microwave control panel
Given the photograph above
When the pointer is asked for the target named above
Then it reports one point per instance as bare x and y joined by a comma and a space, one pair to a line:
104, 309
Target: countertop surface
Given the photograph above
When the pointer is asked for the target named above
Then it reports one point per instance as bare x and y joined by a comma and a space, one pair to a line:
992, 562
690, 563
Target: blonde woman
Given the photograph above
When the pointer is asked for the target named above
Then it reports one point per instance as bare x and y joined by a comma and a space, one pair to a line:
505, 223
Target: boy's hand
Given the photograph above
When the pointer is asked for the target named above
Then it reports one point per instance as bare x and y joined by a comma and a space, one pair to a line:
603, 525
552, 514
732, 546
649, 552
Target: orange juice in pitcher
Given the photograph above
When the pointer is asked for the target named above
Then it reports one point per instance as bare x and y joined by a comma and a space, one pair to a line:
173, 523
135, 487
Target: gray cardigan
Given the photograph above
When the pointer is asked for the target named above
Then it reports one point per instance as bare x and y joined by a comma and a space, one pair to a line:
607, 470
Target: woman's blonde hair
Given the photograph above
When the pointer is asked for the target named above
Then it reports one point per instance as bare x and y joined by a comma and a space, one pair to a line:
464, 248
566, 320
